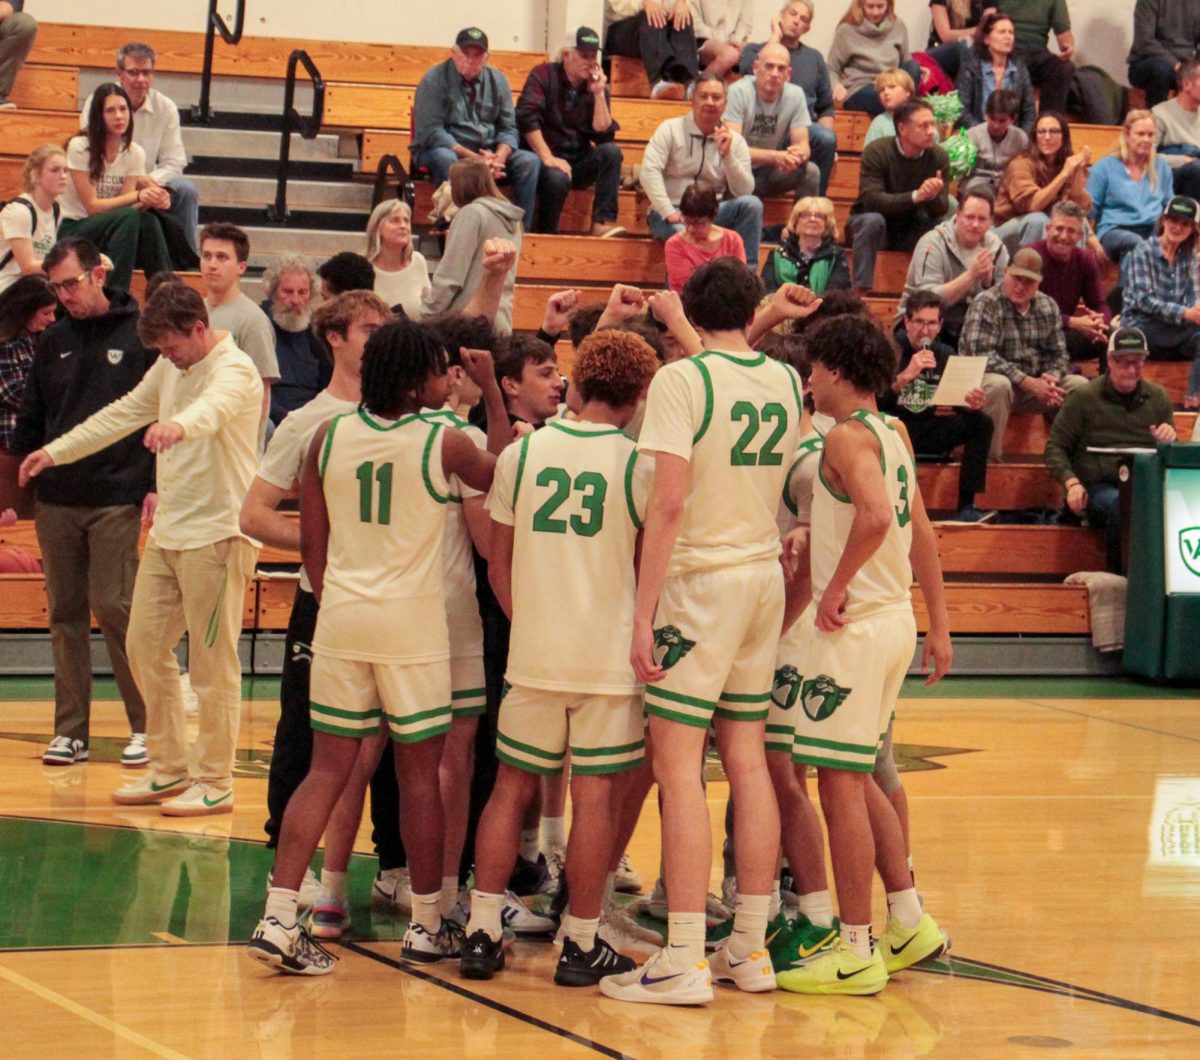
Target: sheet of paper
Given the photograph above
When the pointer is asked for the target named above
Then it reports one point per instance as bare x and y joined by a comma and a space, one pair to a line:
961, 375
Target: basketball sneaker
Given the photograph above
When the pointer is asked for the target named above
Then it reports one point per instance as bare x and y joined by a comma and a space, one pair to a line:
838, 970
576, 968
147, 790
531, 877
625, 934
799, 942
481, 958
521, 920
292, 950
200, 800
628, 881
752, 974
135, 755
776, 929
329, 919
655, 905
424, 947
63, 751
392, 891
660, 982
903, 947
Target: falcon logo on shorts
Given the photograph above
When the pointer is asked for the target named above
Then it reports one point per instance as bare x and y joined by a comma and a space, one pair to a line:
821, 696
786, 689
116, 356
670, 646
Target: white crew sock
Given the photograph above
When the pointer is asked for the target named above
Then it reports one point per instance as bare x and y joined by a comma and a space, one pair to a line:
333, 885
582, 932
905, 906
529, 844
554, 833
485, 914
449, 894
776, 902
685, 938
818, 907
858, 938
281, 904
427, 911
749, 925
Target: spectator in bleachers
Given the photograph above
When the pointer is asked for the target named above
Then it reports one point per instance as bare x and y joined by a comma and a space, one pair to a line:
345, 271
1130, 188
697, 148
902, 190
1177, 130
808, 252
922, 362
564, 116
17, 30
103, 203
483, 213
997, 141
722, 29
1120, 409
1166, 34
952, 26
224, 256
701, 240
772, 115
464, 110
992, 65
1161, 288
88, 516
1050, 171
29, 223
305, 363
1034, 20
401, 273
895, 88
661, 35
870, 38
1019, 330
27, 308
809, 73
958, 260
156, 130
1071, 276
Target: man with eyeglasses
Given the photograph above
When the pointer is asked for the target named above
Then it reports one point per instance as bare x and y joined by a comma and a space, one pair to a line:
88, 516
156, 131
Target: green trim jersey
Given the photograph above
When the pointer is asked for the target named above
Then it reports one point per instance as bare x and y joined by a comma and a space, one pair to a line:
387, 497
795, 508
736, 420
884, 581
462, 605
575, 494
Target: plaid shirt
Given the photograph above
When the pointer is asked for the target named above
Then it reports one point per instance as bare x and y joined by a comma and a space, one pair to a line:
1155, 290
562, 112
16, 357
1015, 344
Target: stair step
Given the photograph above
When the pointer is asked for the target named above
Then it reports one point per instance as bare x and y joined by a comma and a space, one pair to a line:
346, 222
231, 191
256, 122
248, 143
228, 167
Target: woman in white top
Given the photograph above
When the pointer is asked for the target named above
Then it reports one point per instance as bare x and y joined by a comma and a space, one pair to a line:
103, 203
29, 224
401, 274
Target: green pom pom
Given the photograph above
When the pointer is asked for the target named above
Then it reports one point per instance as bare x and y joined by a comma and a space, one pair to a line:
962, 153
946, 109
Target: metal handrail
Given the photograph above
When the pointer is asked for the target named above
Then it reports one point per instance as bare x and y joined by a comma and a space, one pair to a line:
307, 127
405, 189
213, 25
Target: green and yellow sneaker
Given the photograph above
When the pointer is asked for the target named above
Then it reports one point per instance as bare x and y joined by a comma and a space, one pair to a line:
838, 970
903, 947
798, 943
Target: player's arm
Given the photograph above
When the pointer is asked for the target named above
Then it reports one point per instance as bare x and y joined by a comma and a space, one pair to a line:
481, 369
664, 515
791, 302
927, 567
314, 515
263, 521
668, 311
500, 565
797, 569
852, 460
479, 524
462, 457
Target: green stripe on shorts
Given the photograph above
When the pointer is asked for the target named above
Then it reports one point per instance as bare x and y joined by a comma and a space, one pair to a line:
423, 725
593, 761
469, 701
527, 757
678, 707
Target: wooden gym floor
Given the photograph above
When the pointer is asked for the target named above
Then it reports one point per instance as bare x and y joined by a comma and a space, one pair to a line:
1056, 831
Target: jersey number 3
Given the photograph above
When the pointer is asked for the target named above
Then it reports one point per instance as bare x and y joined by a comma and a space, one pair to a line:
741, 455
592, 487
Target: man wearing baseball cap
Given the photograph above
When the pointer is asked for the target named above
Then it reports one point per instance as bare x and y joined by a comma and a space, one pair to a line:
1019, 330
563, 116
1118, 410
464, 109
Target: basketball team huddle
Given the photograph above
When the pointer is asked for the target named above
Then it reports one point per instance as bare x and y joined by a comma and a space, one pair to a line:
687, 556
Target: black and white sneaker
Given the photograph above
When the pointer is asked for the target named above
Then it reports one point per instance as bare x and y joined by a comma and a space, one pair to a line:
421, 945
531, 877
576, 968
481, 957
292, 950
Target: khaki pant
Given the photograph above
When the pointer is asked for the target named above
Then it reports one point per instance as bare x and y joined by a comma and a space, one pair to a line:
89, 556
200, 590
1002, 398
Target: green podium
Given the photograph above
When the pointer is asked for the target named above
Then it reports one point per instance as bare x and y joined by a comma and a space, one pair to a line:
1162, 611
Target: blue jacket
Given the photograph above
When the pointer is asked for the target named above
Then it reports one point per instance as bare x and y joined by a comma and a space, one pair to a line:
442, 118
971, 91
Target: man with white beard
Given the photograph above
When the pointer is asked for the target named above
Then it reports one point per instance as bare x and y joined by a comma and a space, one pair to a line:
305, 364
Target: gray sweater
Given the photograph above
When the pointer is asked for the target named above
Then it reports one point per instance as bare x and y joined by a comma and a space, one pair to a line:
1165, 29
1177, 132
861, 53
679, 153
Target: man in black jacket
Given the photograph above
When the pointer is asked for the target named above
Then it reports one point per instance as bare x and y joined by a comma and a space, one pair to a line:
88, 514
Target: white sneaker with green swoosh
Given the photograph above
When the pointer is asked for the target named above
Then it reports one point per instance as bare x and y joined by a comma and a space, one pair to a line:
200, 800
150, 789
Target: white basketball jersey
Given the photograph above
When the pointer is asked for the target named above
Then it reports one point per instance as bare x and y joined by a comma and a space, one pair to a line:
575, 494
735, 418
883, 582
387, 497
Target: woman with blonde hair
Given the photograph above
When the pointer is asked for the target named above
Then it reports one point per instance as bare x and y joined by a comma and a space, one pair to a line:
952, 26
808, 253
1130, 188
401, 274
870, 38
29, 223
